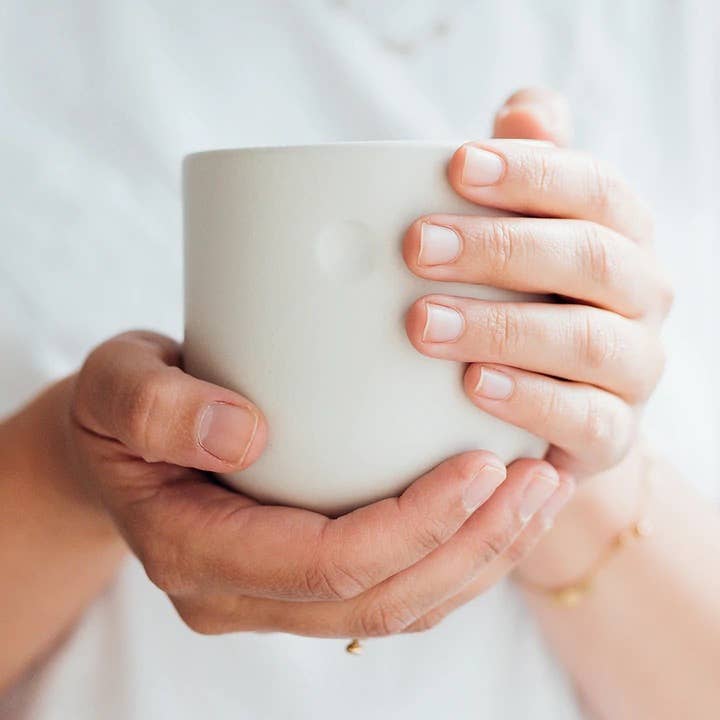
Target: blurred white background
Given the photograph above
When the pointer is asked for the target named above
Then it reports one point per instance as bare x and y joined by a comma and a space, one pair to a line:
101, 99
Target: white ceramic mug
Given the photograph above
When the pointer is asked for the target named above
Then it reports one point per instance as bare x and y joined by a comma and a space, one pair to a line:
295, 295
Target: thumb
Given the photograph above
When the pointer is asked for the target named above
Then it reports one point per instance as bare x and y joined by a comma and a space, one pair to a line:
535, 114
131, 390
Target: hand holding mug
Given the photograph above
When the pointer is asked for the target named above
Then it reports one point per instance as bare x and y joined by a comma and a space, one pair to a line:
142, 437
577, 372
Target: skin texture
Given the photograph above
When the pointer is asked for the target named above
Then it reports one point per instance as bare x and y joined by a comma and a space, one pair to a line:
118, 456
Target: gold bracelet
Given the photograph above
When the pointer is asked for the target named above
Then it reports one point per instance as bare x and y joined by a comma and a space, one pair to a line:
572, 593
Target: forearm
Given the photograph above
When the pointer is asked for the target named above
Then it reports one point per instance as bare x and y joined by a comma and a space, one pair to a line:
645, 641
57, 551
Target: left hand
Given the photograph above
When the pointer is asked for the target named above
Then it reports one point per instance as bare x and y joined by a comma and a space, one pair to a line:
574, 372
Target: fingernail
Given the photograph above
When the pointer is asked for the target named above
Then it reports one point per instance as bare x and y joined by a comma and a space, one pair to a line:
494, 385
482, 486
438, 245
537, 493
482, 167
558, 500
227, 431
443, 324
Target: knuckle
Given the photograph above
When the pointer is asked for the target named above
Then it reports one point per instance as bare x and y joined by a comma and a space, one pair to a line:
141, 407
602, 187
607, 428
504, 330
597, 262
501, 242
599, 343
102, 389
549, 406
430, 533
318, 585
384, 618
428, 527
493, 544
522, 546
542, 171
599, 434
596, 426
151, 395
331, 580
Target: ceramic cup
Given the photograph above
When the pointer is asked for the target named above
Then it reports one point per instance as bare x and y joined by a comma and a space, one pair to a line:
295, 295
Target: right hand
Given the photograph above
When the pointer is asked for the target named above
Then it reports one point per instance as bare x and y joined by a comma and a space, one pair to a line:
142, 438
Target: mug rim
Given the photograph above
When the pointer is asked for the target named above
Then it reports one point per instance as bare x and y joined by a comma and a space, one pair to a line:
339, 145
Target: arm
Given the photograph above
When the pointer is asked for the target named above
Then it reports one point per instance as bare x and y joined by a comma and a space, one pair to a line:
645, 641
57, 550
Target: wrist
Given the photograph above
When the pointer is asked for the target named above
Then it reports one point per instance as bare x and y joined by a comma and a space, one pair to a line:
602, 506
45, 464
58, 549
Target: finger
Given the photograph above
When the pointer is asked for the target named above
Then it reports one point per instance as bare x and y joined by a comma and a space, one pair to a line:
388, 536
194, 536
574, 258
535, 114
518, 551
405, 598
392, 606
537, 179
132, 390
575, 342
595, 428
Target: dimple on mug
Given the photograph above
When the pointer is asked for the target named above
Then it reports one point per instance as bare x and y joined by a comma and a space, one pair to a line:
295, 296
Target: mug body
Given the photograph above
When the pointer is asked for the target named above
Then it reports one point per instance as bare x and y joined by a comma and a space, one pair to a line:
295, 296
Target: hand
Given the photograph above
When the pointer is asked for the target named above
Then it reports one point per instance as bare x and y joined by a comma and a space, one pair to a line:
574, 372
141, 438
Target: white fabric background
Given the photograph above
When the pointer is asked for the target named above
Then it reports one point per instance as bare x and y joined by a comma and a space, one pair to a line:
102, 99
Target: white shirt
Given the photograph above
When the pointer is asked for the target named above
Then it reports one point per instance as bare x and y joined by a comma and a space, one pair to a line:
103, 99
